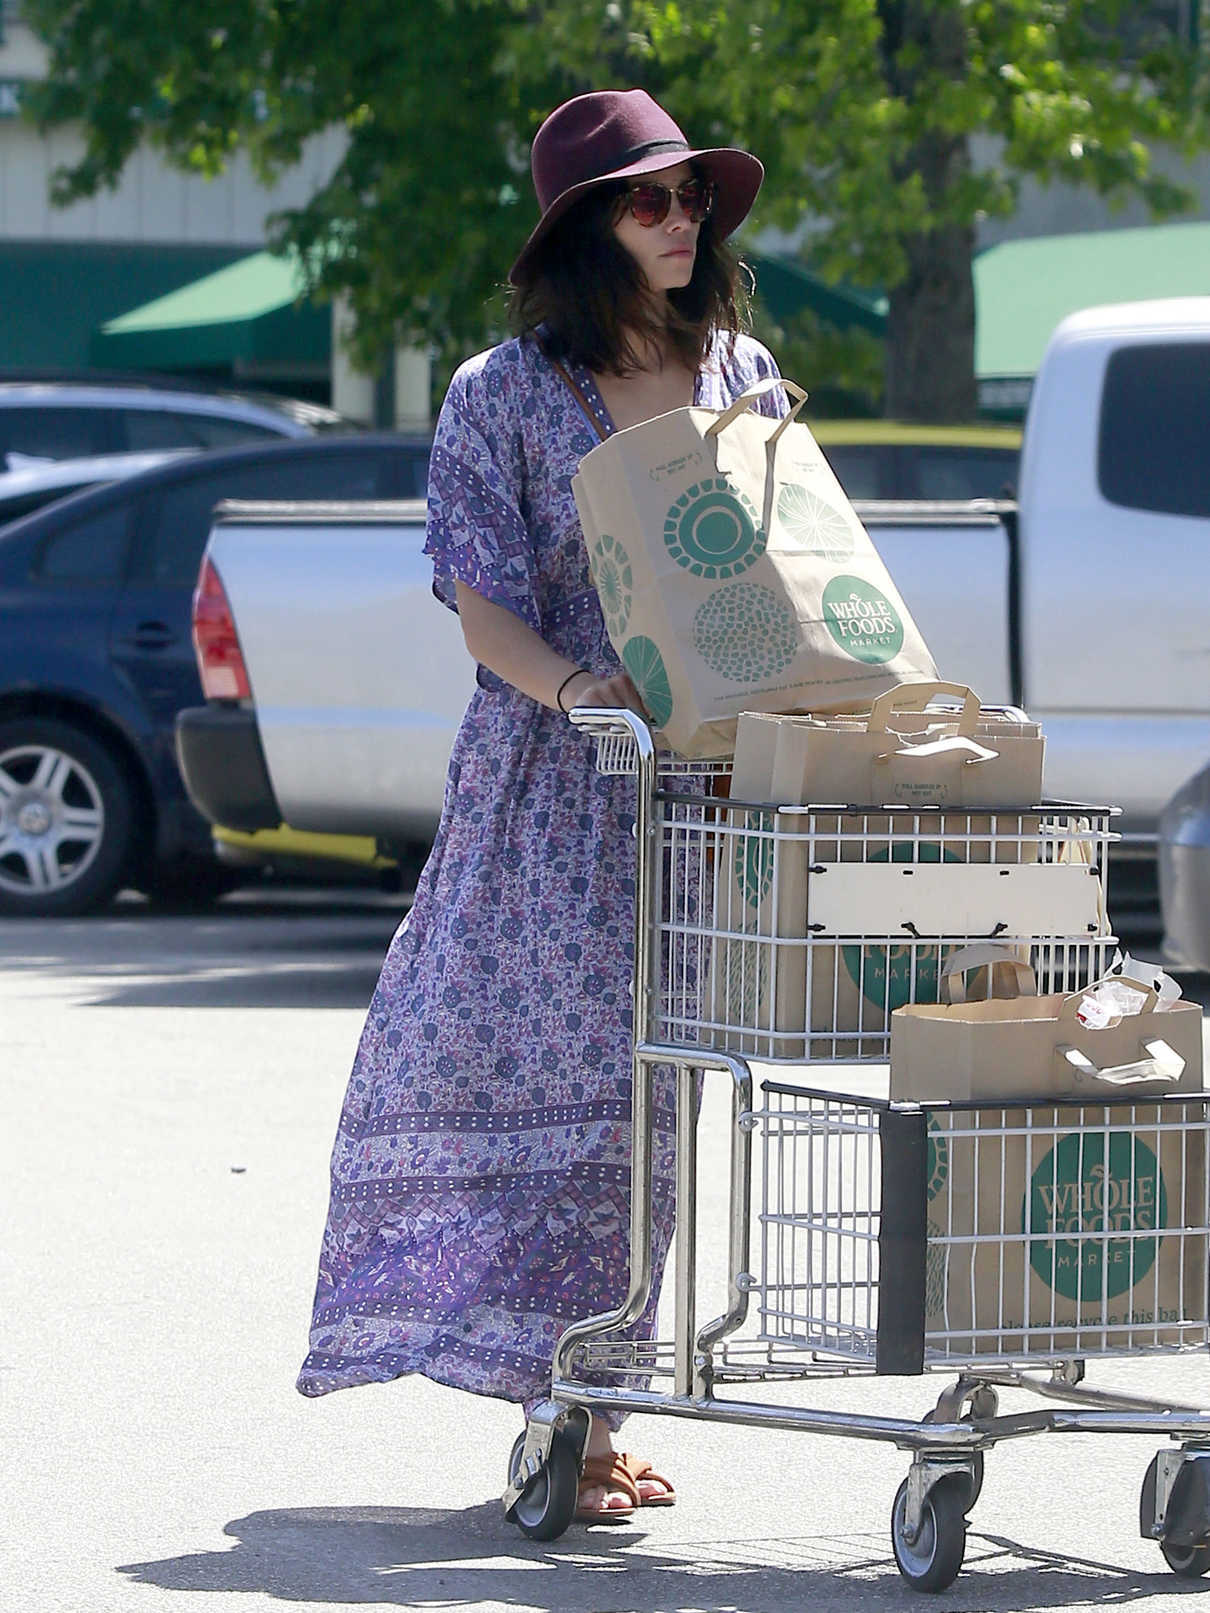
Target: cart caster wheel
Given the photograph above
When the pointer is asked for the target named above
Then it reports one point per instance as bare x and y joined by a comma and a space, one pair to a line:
975, 1487
1190, 1562
547, 1505
976, 1479
931, 1561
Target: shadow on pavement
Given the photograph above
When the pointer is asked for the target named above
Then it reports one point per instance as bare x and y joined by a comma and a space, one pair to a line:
268, 954
409, 1557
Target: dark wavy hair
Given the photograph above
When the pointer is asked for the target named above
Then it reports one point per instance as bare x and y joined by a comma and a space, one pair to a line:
582, 294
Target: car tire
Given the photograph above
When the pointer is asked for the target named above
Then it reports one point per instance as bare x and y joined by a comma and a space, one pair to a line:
67, 820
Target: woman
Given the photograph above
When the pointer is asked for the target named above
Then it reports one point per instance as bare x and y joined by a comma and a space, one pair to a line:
480, 1178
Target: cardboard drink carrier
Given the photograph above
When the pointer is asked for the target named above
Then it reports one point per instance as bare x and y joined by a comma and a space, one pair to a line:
734, 574
1079, 1222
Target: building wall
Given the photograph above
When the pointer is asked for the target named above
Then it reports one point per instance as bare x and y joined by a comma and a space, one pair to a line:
152, 202
1059, 209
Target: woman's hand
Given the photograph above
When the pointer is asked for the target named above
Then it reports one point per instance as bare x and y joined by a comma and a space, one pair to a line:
618, 693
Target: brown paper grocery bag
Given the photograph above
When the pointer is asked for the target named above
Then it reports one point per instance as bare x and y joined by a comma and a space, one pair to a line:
1067, 1228
905, 755
1036, 1047
734, 575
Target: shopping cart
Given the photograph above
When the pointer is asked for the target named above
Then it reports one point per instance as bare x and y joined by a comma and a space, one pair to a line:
1008, 1242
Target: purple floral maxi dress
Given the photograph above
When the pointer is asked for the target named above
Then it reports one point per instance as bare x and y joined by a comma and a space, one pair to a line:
481, 1171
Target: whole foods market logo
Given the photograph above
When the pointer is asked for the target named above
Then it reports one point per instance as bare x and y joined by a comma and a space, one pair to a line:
1083, 1195
862, 620
890, 976
714, 531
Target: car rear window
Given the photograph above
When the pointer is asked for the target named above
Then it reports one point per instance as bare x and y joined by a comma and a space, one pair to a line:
165, 428
55, 433
1154, 447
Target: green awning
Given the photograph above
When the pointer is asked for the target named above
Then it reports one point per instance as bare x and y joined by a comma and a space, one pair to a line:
247, 317
1024, 288
54, 294
786, 287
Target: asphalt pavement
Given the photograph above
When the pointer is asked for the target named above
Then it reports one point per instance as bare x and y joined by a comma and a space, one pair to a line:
170, 1092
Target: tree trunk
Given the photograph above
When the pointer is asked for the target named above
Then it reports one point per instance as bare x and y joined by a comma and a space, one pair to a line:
930, 342
930, 353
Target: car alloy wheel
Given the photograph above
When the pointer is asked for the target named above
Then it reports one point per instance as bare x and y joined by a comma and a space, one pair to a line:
65, 819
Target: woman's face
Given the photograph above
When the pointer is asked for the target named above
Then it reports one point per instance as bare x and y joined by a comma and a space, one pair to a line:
664, 251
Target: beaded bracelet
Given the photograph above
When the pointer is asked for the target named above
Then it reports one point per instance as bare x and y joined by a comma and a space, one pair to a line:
566, 681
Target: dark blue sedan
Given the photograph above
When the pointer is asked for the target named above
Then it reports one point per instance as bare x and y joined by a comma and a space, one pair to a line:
96, 660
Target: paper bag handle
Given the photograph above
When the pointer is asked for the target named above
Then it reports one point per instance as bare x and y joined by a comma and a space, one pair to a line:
1163, 1063
972, 752
748, 398
1070, 1004
951, 987
915, 697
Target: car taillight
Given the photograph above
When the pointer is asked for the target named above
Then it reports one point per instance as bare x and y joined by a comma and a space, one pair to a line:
219, 658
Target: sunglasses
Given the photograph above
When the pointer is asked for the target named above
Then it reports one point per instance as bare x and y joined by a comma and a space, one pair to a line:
649, 203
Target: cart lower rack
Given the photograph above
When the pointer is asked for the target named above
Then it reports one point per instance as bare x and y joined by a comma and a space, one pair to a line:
1007, 1244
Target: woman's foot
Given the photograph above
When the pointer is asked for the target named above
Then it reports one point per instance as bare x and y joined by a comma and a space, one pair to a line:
613, 1484
654, 1489
607, 1492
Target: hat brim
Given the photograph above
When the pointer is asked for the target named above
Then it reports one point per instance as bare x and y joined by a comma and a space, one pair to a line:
737, 174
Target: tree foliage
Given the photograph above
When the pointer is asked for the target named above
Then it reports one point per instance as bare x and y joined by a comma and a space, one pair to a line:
864, 112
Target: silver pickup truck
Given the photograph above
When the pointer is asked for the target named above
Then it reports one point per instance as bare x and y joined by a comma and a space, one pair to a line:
1087, 601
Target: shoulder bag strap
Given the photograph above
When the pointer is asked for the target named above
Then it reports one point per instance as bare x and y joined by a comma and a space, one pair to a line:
578, 395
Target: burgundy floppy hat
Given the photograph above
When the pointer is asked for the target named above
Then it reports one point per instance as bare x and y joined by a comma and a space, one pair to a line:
616, 134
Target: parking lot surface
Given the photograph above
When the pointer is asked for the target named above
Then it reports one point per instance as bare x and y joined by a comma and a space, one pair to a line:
171, 1088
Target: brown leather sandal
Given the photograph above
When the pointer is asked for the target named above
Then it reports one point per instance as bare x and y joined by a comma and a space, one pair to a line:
639, 1469
607, 1473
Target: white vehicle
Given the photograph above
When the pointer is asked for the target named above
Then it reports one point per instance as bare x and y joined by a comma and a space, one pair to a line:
76, 419
341, 680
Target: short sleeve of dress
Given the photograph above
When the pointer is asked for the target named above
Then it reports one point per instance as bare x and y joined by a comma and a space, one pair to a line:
764, 367
475, 532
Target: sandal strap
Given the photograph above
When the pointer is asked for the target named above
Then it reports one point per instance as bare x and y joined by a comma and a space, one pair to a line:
611, 1473
640, 1469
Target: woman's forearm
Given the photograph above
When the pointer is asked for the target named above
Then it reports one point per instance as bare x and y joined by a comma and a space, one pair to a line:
502, 642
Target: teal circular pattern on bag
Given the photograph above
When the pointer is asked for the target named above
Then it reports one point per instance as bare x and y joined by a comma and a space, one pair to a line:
646, 666
610, 567
862, 620
714, 531
744, 632
814, 524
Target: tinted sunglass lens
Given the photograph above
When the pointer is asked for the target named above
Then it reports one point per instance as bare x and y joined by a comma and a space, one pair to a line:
650, 203
696, 197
